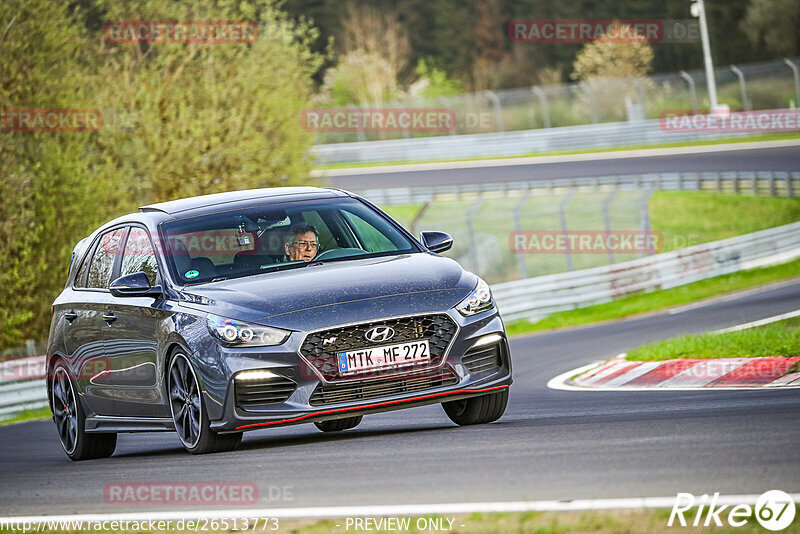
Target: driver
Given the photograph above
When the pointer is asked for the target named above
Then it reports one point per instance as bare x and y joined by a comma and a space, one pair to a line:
302, 243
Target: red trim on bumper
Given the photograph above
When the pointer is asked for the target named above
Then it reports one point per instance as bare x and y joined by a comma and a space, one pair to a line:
371, 406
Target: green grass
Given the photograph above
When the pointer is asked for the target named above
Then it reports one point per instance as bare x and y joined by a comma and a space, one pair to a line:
690, 218
658, 300
683, 218
27, 415
781, 338
749, 139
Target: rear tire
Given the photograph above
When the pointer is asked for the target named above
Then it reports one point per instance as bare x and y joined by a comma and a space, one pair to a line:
70, 420
189, 412
477, 410
337, 425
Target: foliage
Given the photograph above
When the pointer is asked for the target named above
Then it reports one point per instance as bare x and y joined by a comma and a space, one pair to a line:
361, 78
181, 120
774, 23
612, 73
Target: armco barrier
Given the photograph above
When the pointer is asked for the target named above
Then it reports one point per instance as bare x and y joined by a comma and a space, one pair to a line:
22, 385
535, 298
773, 183
516, 143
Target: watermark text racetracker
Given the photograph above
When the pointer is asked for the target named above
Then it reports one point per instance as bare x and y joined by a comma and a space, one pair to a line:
585, 242
378, 119
761, 121
180, 32
587, 30
50, 120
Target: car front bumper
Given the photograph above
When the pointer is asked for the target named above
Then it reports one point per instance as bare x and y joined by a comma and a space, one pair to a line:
300, 408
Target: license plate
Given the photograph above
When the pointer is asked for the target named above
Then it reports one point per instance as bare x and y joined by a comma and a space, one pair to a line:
383, 357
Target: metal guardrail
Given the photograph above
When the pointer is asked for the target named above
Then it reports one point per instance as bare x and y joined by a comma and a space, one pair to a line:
22, 385
535, 298
515, 143
773, 183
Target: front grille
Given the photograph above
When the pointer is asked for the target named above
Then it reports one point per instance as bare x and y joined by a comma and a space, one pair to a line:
385, 387
267, 391
482, 359
320, 348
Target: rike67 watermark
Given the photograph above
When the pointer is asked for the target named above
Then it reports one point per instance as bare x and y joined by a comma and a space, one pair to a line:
774, 510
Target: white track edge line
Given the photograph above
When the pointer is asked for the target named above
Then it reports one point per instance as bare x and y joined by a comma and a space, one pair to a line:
760, 322
387, 510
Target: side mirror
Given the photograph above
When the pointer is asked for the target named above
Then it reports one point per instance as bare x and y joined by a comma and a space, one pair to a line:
436, 241
134, 285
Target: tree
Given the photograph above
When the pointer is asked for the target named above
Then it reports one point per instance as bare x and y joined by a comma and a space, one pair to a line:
610, 71
49, 197
374, 57
196, 119
774, 23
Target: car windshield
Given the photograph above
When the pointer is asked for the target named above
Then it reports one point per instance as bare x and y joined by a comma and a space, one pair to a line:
272, 237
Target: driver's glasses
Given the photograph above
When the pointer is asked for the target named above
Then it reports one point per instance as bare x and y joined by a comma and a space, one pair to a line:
313, 245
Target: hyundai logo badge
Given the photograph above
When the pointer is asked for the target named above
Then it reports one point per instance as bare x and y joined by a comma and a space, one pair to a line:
379, 334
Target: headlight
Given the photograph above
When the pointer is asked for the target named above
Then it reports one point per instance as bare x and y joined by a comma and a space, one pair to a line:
239, 334
479, 300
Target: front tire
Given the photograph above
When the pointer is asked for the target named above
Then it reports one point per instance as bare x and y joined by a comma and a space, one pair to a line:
70, 420
337, 425
477, 410
189, 413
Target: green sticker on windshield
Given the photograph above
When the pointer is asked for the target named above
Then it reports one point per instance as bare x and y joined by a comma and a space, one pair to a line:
192, 274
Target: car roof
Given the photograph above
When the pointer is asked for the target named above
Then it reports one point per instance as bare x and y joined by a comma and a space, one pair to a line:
284, 194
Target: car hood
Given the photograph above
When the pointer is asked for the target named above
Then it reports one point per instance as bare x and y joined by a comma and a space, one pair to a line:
341, 292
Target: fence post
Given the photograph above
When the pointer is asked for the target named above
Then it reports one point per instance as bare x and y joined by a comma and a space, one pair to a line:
645, 214
417, 217
743, 87
796, 80
473, 245
30, 347
498, 110
692, 88
359, 130
542, 96
562, 215
592, 102
607, 222
521, 258
449, 106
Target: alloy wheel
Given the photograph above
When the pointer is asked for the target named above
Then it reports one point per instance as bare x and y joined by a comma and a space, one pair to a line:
184, 397
65, 410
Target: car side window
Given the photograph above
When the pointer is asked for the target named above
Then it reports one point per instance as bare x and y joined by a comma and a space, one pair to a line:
139, 256
373, 239
105, 255
80, 278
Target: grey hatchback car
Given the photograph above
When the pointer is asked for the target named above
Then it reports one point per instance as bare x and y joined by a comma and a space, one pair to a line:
214, 315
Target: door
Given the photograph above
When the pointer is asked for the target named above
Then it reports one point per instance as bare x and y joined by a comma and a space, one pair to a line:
83, 337
131, 340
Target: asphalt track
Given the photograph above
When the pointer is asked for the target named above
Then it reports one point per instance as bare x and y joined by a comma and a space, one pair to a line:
693, 159
549, 445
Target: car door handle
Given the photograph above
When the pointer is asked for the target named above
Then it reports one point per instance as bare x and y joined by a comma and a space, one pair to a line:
70, 316
109, 318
